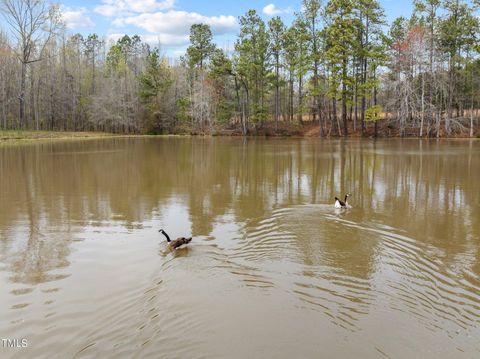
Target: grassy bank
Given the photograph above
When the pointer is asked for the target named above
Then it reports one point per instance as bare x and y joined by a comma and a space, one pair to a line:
268, 128
6, 135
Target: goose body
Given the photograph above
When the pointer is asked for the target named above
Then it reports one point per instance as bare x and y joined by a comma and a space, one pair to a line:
177, 242
341, 204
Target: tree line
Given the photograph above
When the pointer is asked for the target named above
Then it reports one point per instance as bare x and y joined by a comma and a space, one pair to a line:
338, 67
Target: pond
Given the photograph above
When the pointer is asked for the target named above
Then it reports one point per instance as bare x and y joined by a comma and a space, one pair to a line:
273, 270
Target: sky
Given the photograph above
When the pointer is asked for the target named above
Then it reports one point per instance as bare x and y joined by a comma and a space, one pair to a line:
168, 21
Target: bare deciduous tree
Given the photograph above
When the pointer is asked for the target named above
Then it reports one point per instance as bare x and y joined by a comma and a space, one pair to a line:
32, 23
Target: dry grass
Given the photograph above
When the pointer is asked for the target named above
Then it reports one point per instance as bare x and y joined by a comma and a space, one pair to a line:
6, 135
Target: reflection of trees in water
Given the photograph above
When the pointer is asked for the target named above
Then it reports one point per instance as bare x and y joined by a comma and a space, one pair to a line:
419, 186
32, 261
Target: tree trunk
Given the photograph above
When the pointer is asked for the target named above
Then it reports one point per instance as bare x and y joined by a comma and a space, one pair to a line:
315, 86
21, 98
277, 99
450, 97
237, 93
4, 102
430, 86
344, 98
245, 107
93, 70
300, 119
32, 99
423, 103
291, 97
354, 96
335, 117
364, 100
320, 117
471, 103
364, 79
375, 115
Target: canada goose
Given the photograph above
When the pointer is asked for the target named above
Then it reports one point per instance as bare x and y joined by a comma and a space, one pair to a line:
340, 204
177, 242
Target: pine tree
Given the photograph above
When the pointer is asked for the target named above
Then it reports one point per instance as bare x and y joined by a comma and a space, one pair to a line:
370, 19
311, 19
201, 46
276, 30
200, 50
252, 65
154, 82
341, 36
457, 31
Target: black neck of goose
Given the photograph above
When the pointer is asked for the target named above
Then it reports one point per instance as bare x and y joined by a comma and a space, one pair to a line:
166, 236
346, 197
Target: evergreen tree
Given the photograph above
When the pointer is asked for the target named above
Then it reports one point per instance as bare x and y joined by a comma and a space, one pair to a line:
341, 35
154, 82
201, 46
311, 19
276, 30
92, 46
457, 32
199, 51
221, 73
370, 19
252, 65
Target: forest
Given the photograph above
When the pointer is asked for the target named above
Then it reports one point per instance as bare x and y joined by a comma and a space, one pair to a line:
339, 69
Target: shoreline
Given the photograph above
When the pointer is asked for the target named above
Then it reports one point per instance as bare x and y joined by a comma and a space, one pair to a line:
11, 136
21, 135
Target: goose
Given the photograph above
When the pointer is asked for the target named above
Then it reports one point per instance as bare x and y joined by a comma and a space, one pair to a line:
340, 204
177, 242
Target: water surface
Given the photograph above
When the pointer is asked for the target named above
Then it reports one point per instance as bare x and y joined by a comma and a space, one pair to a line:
274, 271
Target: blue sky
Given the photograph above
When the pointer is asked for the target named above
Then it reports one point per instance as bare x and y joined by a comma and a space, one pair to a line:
168, 21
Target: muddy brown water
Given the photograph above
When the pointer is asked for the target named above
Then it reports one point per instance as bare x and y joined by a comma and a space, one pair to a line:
273, 271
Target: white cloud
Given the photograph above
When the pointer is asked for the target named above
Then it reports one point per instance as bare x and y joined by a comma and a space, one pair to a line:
166, 39
179, 53
76, 18
173, 27
111, 8
112, 38
272, 10
161, 23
